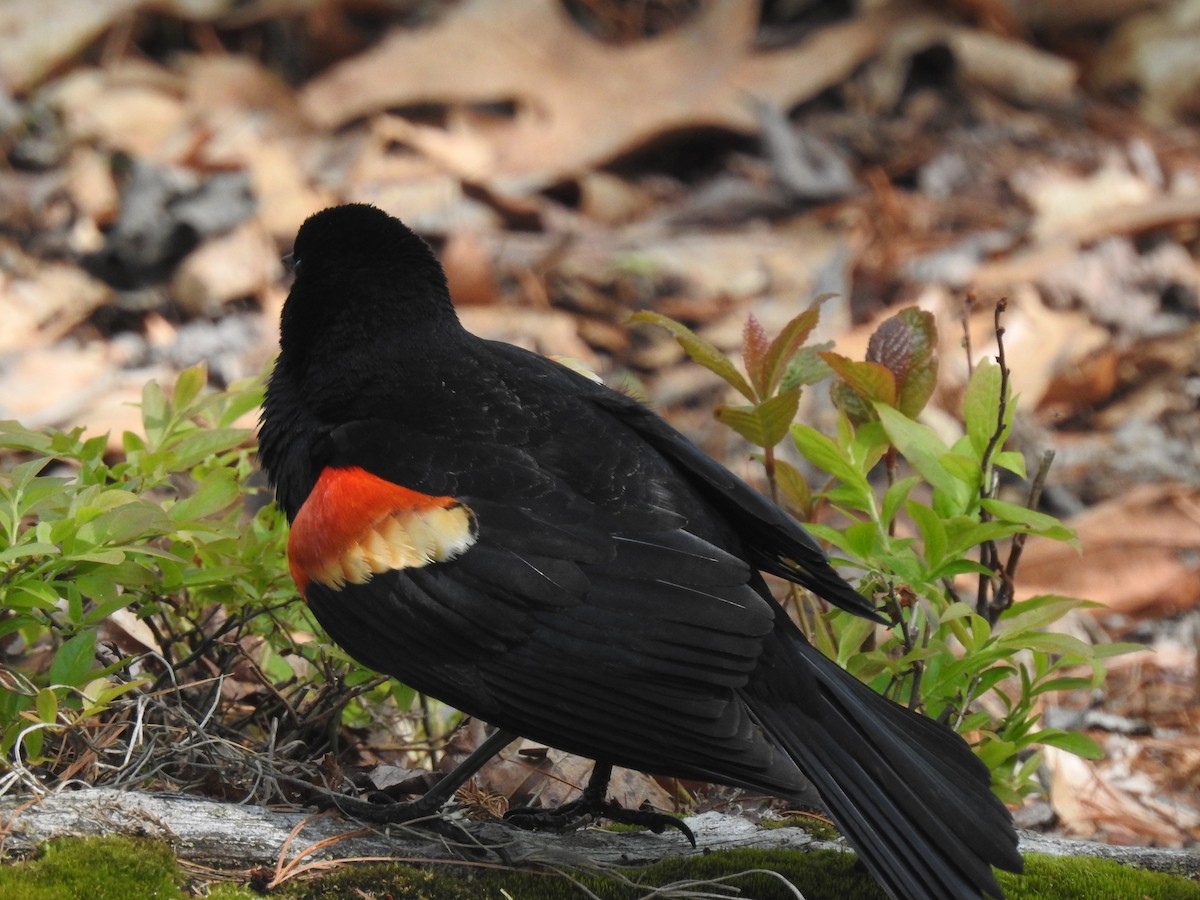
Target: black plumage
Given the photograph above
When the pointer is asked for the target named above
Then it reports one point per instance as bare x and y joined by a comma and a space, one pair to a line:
610, 603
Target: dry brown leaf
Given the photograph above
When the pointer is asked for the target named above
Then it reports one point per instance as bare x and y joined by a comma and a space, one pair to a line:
1013, 68
1105, 800
92, 189
1065, 201
579, 101
47, 386
41, 35
136, 107
236, 265
40, 307
244, 117
1157, 53
1139, 554
1105, 220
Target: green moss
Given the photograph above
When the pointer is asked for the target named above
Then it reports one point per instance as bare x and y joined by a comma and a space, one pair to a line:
1085, 878
818, 828
105, 868
126, 869
824, 875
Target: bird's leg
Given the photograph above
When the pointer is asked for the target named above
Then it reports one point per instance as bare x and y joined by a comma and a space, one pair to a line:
433, 799
593, 803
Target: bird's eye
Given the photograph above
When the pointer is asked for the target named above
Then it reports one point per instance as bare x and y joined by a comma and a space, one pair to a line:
291, 263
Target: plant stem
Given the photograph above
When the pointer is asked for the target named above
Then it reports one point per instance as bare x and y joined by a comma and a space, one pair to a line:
1004, 594
989, 556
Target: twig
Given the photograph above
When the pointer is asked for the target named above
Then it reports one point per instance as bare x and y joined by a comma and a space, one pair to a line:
968, 307
989, 556
1004, 595
427, 724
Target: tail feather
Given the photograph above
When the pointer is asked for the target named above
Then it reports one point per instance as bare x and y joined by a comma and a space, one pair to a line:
907, 792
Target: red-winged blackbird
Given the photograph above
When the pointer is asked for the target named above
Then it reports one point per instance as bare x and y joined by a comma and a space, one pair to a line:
506, 535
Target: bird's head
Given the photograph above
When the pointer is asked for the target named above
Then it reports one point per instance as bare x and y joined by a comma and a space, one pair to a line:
362, 276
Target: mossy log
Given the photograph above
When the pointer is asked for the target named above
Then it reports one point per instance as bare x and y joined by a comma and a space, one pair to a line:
232, 836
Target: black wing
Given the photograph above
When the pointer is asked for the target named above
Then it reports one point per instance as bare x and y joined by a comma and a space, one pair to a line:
587, 614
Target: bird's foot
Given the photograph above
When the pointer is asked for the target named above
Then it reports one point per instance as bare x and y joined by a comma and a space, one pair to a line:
588, 809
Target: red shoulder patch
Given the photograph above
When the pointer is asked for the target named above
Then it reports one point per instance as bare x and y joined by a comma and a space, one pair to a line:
355, 525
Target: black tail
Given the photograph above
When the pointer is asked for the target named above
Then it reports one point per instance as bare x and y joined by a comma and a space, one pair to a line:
907, 792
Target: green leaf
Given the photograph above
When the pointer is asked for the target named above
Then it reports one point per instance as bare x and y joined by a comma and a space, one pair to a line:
906, 345
933, 532
853, 631
763, 425
788, 342
15, 436
203, 444
825, 454
964, 468
28, 594
954, 567
894, 497
965, 532
1066, 683
109, 557
1011, 460
923, 450
242, 397
807, 367
956, 610
1071, 741
701, 351
1038, 523
862, 539
1117, 648
827, 534
1036, 613
156, 415
189, 384
981, 405
218, 490
1050, 642
74, 660
46, 704
24, 551
794, 487
136, 519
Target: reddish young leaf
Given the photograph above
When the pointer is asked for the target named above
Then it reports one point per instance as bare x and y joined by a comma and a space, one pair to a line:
906, 344
788, 342
874, 382
754, 352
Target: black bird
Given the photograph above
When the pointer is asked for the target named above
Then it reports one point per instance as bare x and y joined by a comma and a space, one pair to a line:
543, 553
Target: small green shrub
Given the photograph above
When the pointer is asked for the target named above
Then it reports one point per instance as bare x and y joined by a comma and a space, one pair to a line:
178, 531
919, 515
